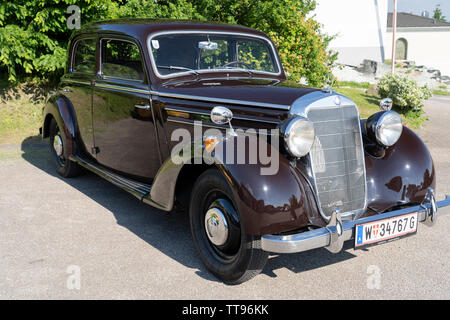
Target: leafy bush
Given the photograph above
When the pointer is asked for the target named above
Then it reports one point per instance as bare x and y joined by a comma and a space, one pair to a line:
405, 94
302, 47
34, 34
30, 51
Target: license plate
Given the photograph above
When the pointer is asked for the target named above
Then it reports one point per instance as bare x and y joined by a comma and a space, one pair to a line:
382, 231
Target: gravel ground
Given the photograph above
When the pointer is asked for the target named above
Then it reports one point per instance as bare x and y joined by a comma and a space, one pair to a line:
55, 231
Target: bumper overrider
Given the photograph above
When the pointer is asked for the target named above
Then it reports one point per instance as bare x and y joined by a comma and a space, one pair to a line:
332, 236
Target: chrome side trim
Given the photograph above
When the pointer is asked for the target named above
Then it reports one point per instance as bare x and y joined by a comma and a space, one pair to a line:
190, 97
204, 113
322, 237
88, 83
121, 88
219, 100
215, 126
193, 122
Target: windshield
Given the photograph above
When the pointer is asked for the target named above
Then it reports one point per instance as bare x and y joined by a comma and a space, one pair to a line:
177, 53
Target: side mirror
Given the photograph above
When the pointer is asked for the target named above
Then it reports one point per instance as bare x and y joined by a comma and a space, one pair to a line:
221, 115
386, 104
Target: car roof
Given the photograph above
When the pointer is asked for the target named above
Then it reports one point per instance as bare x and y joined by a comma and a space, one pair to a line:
141, 28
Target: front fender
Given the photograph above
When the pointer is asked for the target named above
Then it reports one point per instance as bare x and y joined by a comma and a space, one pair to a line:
402, 176
268, 204
272, 204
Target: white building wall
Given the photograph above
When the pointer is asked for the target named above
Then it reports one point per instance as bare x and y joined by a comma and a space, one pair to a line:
360, 26
426, 46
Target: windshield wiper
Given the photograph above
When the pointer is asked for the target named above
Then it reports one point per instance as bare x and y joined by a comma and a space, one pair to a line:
178, 68
250, 72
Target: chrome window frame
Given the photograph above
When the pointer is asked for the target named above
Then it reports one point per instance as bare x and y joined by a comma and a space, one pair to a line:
74, 49
100, 67
196, 31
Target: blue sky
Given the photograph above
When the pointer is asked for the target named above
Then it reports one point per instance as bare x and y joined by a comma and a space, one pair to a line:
417, 6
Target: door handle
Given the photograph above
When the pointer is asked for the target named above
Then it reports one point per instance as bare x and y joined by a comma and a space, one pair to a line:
142, 106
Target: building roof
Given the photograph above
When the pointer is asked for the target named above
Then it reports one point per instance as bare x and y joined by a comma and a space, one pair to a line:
408, 20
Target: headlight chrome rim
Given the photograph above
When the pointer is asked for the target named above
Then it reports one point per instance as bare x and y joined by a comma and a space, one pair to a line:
299, 123
383, 138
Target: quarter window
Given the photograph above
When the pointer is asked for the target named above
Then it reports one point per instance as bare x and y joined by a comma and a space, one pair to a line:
84, 58
121, 59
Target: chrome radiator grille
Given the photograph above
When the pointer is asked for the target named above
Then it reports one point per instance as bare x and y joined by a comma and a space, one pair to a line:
337, 159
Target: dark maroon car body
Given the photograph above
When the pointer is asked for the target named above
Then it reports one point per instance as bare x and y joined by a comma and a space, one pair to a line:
131, 147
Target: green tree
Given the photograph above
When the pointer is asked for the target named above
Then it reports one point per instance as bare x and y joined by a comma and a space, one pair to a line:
34, 34
437, 14
301, 45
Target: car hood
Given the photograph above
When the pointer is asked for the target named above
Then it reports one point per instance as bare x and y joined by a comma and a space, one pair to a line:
264, 92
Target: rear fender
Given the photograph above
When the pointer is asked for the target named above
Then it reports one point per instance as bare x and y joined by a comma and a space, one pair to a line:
60, 108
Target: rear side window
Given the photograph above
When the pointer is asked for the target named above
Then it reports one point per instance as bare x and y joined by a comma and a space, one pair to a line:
84, 57
121, 59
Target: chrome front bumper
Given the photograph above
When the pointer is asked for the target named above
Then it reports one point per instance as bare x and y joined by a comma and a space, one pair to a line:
336, 232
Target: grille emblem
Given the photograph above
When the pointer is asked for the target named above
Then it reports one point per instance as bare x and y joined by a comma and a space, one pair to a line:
337, 101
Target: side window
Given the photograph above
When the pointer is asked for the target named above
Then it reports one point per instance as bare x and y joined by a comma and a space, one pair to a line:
84, 57
121, 59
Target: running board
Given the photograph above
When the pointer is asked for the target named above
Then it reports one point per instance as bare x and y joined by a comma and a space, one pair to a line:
139, 190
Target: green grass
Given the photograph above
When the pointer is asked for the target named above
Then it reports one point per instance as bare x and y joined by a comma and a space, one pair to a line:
353, 84
20, 112
441, 92
369, 104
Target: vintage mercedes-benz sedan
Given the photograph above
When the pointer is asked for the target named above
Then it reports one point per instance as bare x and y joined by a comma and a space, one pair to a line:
200, 116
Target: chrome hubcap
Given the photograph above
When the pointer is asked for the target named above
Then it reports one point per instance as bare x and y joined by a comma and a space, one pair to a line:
58, 145
216, 226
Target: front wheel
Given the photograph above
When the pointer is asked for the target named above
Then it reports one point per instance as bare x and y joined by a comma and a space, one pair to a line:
226, 250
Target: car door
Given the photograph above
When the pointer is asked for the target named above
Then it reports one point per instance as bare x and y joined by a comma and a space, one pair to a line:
123, 118
77, 86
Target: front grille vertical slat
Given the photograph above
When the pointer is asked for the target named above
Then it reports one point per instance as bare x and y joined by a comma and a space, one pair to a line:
337, 159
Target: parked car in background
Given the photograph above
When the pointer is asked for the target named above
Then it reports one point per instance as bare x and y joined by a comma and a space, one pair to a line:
130, 86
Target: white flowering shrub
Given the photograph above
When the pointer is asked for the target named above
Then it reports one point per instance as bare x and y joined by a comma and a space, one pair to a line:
405, 94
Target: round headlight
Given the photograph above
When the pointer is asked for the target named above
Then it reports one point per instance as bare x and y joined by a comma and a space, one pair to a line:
388, 129
299, 136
